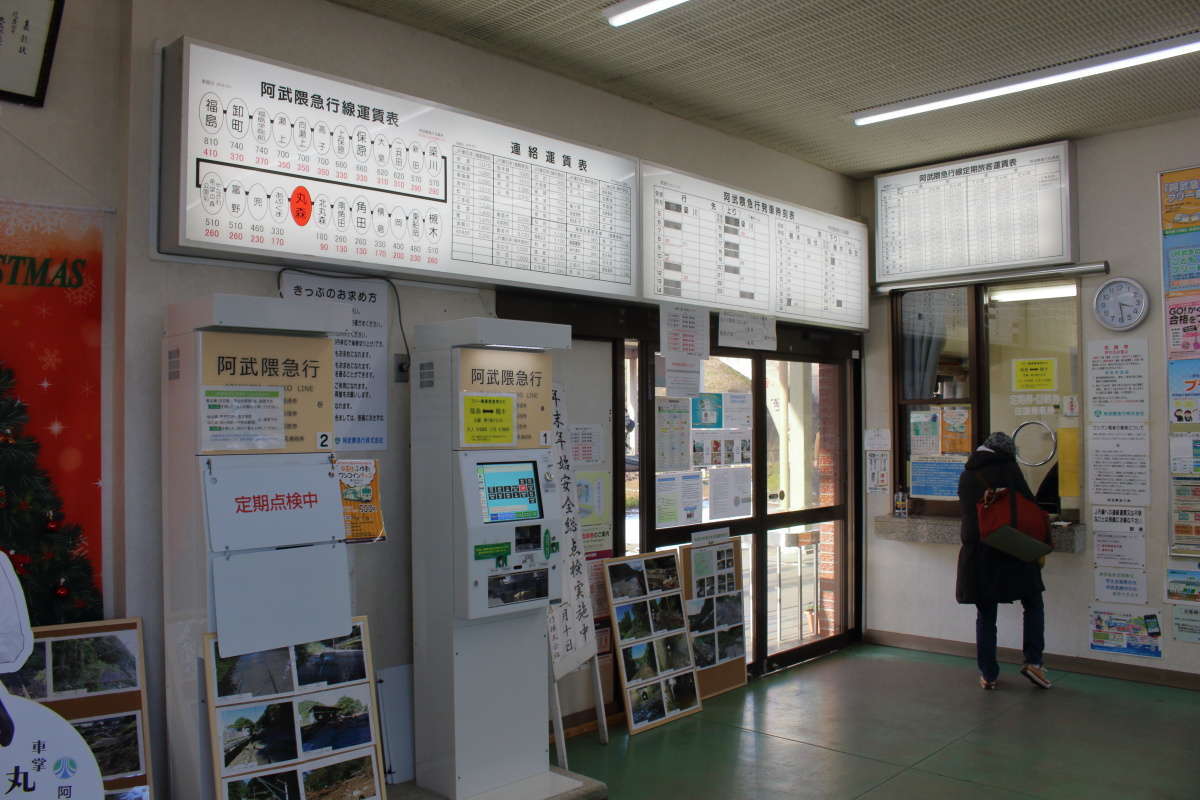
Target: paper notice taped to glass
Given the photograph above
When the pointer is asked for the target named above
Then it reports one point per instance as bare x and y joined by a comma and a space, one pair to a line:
683, 374
729, 492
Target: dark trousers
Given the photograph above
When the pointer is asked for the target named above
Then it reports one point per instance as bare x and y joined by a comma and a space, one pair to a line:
1034, 640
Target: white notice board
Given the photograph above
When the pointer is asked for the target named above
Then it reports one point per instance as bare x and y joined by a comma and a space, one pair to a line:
266, 162
993, 212
716, 246
253, 501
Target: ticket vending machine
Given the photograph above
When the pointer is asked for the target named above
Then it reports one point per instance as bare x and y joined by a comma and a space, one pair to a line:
485, 539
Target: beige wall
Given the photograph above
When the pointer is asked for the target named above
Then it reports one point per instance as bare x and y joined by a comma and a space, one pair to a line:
910, 587
94, 145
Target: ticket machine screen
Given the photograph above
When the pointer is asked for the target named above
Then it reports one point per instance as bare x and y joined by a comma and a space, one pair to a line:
509, 491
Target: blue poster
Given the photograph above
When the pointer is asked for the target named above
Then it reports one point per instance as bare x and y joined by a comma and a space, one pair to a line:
1126, 632
708, 410
1183, 387
935, 479
1181, 261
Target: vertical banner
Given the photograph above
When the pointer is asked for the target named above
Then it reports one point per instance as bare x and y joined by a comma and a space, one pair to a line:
51, 262
570, 623
360, 356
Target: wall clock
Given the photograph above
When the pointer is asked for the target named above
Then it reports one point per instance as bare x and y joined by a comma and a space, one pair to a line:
1120, 304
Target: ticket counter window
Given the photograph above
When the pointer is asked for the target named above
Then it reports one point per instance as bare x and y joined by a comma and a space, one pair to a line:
976, 359
938, 412
1034, 385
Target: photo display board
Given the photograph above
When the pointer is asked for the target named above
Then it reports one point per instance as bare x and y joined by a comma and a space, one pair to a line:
713, 597
715, 246
1004, 210
658, 672
266, 162
93, 675
297, 722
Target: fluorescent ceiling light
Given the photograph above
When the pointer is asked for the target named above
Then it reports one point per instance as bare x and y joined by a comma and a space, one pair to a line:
629, 10
1135, 56
1032, 293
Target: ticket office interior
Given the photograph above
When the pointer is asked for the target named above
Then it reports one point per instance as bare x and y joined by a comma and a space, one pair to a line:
104, 73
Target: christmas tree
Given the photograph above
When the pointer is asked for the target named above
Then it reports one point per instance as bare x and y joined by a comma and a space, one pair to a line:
47, 551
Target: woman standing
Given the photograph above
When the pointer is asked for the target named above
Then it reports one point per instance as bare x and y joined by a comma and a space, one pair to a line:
988, 577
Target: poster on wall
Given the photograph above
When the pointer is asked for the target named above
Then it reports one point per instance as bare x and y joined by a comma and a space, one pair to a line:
1182, 584
1125, 631
1179, 199
1119, 464
1119, 536
1118, 379
1185, 620
360, 355
1183, 325
1120, 585
263, 161
1185, 516
50, 359
1183, 386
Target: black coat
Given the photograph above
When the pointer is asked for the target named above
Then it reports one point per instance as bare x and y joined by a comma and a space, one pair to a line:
986, 574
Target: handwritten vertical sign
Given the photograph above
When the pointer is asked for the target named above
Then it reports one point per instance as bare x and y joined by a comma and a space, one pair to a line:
570, 623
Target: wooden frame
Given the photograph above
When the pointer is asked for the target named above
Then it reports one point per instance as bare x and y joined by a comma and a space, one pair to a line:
648, 640
80, 705
292, 696
38, 98
732, 674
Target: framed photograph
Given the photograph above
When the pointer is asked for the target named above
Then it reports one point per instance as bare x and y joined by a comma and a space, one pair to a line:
94, 664
30, 681
627, 579
270, 784
115, 741
256, 736
633, 621
338, 719
27, 40
330, 662
136, 793
266, 673
353, 776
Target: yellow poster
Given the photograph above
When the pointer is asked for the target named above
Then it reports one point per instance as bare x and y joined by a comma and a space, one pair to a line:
1068, 462
1179, 193
488, 420
956, 429
1035, 375
300, 366
361, 509
526, 376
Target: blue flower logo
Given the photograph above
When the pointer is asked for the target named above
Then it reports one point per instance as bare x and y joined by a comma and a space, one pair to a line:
65, 768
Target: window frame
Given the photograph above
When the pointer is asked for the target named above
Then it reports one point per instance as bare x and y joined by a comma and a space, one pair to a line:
978, 388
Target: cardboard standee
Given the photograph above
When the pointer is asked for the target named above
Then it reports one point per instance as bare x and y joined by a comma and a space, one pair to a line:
643, 597
729, 675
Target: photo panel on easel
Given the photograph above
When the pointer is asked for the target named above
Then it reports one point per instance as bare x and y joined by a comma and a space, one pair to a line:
299, 721
656, 665
715, 608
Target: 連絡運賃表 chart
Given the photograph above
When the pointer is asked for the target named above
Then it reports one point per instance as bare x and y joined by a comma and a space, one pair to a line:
547, 218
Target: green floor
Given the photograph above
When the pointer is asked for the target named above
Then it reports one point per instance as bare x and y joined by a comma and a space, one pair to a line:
879, 722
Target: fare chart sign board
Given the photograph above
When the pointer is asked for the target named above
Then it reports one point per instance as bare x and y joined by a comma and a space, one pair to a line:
1010, 209
267, 162
715, 246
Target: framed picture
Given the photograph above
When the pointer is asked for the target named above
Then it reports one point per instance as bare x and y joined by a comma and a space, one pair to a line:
27, 38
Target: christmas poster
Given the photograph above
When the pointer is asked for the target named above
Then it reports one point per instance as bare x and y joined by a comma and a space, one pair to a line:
50, 434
